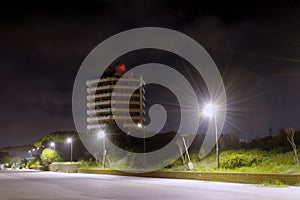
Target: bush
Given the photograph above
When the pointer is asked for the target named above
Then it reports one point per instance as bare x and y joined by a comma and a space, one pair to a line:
49, 156
4, 157
31, 163
23, 165
276, 183
89, 164
241, 158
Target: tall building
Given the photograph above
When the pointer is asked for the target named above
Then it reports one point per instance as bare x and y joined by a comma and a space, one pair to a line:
100, 111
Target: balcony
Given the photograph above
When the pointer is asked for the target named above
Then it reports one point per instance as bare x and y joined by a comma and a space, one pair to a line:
95, 82
97, 119
106, 104
119, 89
96, 126
110, 110
109, 94
98, 103
105, 119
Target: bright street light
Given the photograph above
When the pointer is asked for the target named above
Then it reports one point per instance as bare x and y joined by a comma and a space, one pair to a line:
52, 144
101, 134
139, 125
210, 110
69, 140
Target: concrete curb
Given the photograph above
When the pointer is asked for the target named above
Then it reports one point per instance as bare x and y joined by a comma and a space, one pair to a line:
63, 167
250, 178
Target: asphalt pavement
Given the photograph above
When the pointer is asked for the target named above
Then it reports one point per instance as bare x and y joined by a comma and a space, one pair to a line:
37, 185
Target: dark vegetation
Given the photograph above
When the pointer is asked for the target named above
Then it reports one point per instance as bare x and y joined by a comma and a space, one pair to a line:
273, 153
267, 154
60, 138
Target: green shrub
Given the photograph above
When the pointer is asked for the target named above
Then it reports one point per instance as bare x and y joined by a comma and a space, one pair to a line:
176, 163
48, 156
32, 166
89, 164
242, 158
31, 163
23, 165
276, 183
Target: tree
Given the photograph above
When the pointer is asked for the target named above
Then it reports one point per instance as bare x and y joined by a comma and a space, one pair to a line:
15, 159
290, 132
59, 137
4, 157
48, 156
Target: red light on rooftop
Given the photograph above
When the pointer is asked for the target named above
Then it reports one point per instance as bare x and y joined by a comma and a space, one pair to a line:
122, 67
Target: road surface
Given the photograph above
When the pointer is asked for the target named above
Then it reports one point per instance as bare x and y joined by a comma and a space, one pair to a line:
33, 185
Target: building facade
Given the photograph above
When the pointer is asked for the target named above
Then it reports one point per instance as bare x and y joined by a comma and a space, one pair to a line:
101, 105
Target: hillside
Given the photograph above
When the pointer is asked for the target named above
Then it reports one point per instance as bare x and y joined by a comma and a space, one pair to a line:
19, 151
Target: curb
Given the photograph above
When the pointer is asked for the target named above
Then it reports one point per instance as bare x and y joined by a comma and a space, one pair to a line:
232, 177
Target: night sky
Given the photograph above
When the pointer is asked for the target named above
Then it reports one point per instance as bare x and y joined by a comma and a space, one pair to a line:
256, 46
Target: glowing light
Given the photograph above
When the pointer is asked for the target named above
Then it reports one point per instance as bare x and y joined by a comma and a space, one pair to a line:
209, 110
101, 134
122, 67
52, 144
139, 125
69, 140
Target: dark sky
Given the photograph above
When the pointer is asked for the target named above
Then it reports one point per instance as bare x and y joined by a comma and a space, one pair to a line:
255, 44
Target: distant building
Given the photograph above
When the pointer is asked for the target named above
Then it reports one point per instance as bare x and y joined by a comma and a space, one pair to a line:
100, 100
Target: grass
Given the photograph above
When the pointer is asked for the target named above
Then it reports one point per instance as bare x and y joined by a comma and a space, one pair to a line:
66, 162
275, 184
298, 184
251, 161
242, 160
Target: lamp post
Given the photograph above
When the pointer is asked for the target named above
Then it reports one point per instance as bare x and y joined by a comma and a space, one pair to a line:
139, 125
210, 110
30, 153
101, 134
52, 144
69, 140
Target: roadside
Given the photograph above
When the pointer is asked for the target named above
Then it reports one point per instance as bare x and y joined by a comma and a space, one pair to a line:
232, 177
10, 170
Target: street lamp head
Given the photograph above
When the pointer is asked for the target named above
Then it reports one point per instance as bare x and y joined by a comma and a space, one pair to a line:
29, 151
69, 140
52, 144
139, 125
209, 110
101, 134
33, 149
